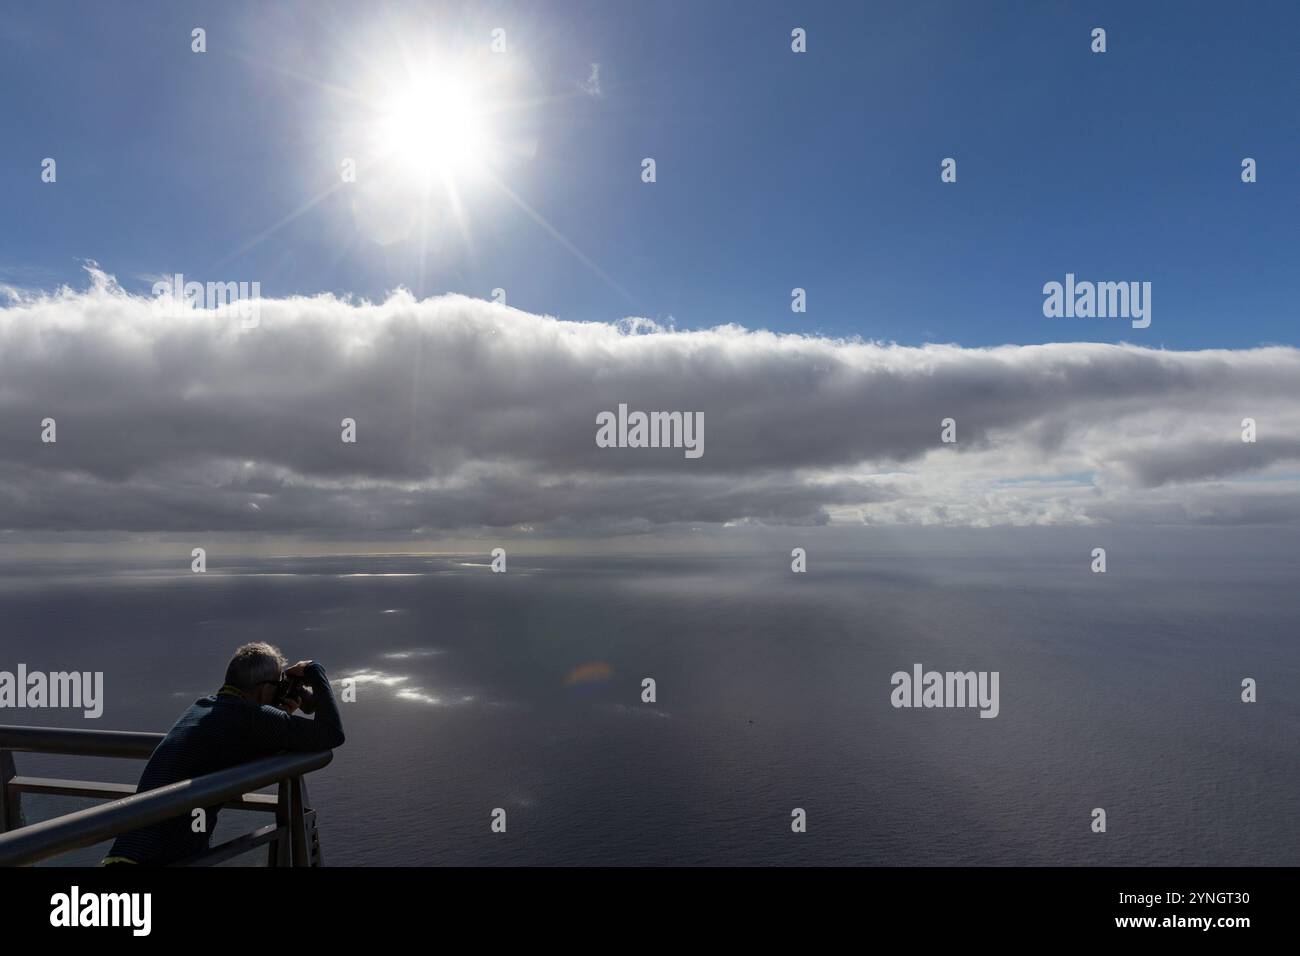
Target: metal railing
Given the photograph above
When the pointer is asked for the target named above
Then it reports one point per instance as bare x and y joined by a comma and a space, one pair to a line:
292, 840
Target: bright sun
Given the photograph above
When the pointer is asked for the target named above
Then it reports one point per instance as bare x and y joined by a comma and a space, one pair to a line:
435, 129
439, 135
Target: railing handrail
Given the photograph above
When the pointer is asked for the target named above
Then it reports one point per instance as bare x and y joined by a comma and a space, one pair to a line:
82, 743
86, 827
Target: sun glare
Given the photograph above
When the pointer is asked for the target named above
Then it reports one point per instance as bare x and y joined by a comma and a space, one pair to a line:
434, 129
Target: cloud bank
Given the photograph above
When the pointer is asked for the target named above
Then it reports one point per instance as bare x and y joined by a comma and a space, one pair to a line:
470, 414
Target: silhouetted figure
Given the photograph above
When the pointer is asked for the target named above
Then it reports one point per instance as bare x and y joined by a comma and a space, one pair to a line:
251, 716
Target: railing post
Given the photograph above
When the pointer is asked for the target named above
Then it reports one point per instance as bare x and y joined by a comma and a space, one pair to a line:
313, 839
298, 822
310, 830
11, 807
279, 852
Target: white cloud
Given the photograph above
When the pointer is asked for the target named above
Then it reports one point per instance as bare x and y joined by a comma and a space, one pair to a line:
470, 414
592, 84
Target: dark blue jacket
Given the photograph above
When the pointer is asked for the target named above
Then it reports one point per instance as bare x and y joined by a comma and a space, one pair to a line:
215, 733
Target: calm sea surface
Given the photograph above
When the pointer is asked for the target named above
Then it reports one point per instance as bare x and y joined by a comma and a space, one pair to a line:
523, 691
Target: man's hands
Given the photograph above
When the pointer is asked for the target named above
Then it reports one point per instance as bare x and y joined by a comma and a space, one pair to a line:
292, 705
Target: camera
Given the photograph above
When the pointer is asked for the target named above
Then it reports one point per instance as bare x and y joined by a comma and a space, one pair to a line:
295, 688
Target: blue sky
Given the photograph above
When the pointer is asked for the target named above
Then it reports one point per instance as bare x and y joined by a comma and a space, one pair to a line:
775, 170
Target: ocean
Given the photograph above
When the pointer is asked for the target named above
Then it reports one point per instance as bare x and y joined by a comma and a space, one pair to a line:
523, 691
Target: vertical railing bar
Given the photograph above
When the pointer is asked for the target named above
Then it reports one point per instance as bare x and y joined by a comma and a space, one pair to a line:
11, 806
310, 828
298, 822
278, 854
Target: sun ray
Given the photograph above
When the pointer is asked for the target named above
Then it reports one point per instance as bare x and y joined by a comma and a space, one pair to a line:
434, 124
559, 237
280, 224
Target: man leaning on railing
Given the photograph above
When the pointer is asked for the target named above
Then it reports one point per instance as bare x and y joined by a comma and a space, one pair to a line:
251, 716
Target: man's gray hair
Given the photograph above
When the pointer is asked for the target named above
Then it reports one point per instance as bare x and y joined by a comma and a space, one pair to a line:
254, 664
